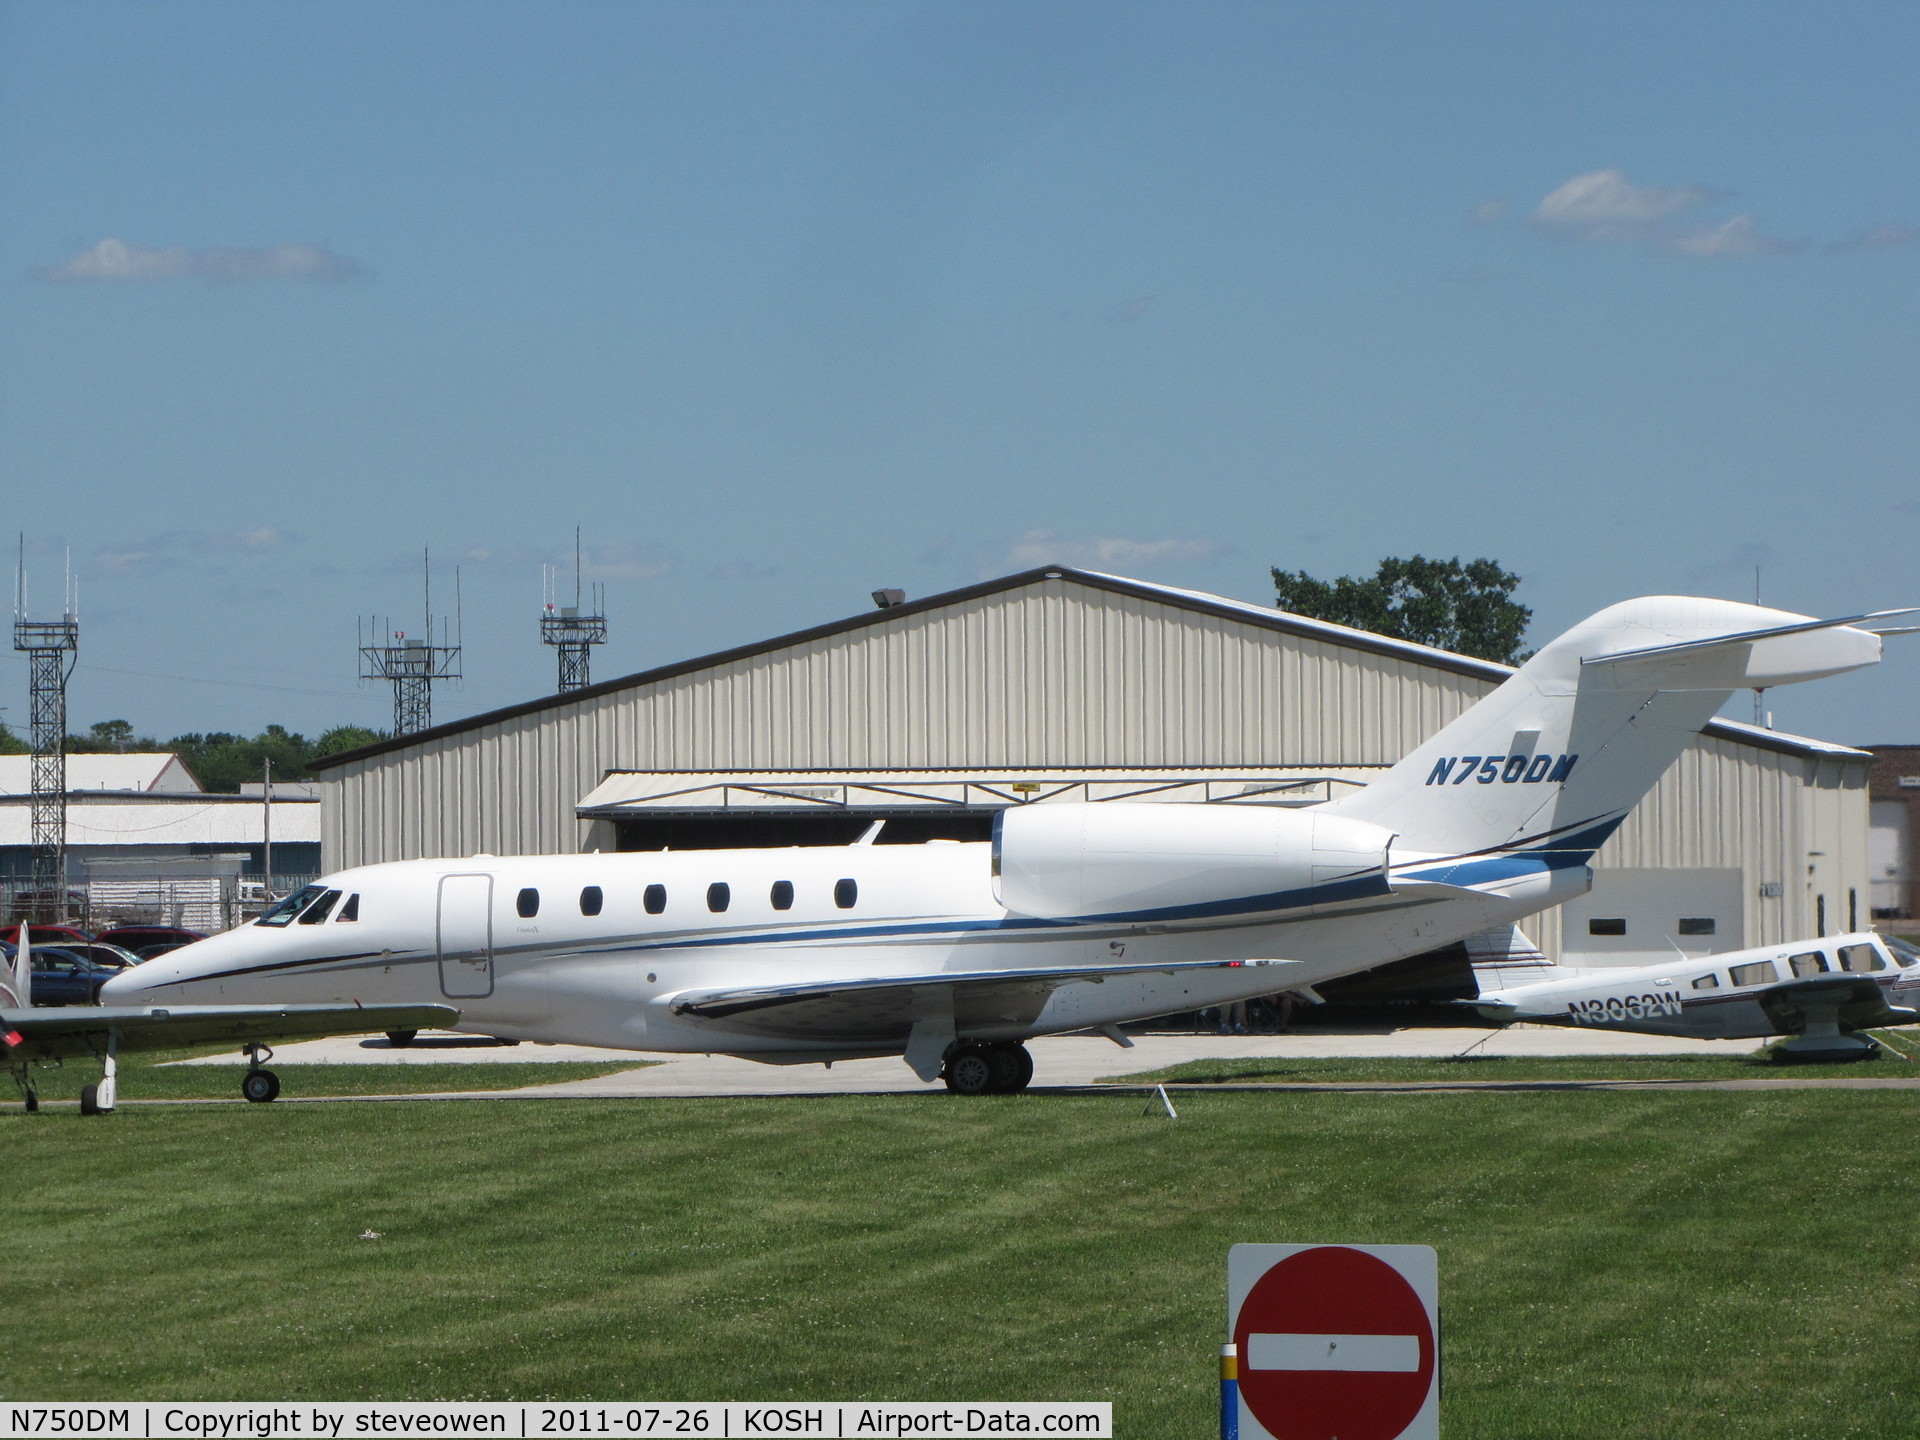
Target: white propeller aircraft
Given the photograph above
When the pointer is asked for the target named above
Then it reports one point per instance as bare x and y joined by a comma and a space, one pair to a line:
1820, 992
1075, 917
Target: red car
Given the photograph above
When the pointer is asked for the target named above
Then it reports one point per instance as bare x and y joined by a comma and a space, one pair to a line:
53, 934
139, 937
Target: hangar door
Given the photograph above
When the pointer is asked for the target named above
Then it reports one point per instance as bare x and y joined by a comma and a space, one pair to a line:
466, 936
1636, 917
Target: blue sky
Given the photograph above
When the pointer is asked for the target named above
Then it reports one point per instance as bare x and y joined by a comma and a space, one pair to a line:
785, 303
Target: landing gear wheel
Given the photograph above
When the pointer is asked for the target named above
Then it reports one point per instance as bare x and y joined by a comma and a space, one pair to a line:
260, 1086
400, 1039
90, 1100
33, 1101
1012, 1068
970, 1071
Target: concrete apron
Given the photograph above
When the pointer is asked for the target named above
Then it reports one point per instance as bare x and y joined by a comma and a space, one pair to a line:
1061, 1060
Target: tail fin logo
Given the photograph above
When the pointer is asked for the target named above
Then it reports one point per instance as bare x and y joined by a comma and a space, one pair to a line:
1506, 769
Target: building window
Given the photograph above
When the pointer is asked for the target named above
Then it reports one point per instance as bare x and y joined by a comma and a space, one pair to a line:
591, 900
527, 903
845, 894
718, 896
1606, 927
320, 908
1760, 972
1810, 962
1820, 916
782, 895
350, 910
654, 898
1707, 982
1696, 925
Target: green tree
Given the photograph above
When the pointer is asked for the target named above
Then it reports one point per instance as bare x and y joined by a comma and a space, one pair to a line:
1467, 609
345, 737
10, 743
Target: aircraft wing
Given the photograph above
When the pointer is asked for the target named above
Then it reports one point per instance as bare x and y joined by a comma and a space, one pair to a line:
886, 1007
1855, 1000
71, 1031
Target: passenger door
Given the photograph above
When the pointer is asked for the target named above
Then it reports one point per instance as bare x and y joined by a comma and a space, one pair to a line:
465, 935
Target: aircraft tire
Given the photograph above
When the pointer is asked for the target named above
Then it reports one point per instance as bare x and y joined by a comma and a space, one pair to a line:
90, 1100
260, 1086
33, 1101
970, 1071
1012, 1068
400, 1039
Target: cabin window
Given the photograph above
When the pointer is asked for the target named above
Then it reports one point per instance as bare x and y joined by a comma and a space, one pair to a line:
782, 896
719, 896
1707, 982
350, 910
1860, 958
845, 893
1697, 925
1760, 972
283, 913
1606, 927
1810, 962
320, 909
591, 900
654, 898
527, 903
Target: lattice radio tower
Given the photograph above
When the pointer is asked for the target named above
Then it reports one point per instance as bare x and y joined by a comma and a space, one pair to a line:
51, 647
412, 664
572, 634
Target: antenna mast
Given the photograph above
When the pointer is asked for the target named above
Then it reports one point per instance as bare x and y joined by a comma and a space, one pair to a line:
411, 664
572, 634
51, 647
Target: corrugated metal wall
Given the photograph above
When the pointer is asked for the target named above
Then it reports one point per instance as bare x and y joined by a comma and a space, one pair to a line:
1058, 673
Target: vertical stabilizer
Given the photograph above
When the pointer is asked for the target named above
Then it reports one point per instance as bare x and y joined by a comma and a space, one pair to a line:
16, 993
1555, 758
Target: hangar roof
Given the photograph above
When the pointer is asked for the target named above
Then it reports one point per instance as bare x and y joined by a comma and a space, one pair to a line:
1196, 600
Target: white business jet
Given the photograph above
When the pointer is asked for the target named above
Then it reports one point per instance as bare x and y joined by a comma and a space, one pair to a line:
1075, 917
30, 1037
1819, 992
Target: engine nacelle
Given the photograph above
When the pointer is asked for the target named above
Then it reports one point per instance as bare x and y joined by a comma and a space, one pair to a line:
1112, 858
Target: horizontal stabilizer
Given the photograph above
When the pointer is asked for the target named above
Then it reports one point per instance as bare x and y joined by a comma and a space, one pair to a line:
1775, 655
72, 1031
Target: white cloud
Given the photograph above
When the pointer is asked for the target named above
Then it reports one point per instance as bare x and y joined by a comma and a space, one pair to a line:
1737, 236
1487, 212
179, 547
1879, 237
115, 261
1098, 552
1605, 205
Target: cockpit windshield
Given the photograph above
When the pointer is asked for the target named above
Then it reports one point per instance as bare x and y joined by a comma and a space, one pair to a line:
1904, 955
283, 913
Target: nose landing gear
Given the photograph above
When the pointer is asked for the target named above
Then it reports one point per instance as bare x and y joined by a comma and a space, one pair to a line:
1000, 1068
259, 1085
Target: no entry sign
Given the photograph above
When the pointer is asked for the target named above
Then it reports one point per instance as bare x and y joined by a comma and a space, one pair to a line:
1336, 1342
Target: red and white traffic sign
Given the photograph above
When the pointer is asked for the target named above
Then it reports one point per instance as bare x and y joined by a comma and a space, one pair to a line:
1336, 1342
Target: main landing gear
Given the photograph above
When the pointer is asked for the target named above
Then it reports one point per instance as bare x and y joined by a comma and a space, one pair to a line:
259, 1085
977, 1068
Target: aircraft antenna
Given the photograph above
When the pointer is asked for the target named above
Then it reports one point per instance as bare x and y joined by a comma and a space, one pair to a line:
51, 647
572, 634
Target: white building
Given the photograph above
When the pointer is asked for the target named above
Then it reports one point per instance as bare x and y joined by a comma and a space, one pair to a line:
1062, 686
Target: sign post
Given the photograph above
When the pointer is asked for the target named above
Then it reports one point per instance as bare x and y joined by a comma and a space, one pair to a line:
1334, 1342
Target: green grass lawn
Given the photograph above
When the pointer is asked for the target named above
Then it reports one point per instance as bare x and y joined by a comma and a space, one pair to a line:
150, 1077
1280, 1070
1612, 1264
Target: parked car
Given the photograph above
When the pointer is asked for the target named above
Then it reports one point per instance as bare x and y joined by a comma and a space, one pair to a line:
113, 957
147, 952
60, 977
138, 937
55, 934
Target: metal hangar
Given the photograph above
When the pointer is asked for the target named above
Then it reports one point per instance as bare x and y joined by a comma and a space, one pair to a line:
1065, 686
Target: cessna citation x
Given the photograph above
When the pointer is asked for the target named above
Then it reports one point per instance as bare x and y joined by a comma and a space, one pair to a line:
1818, 991
1075, 917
